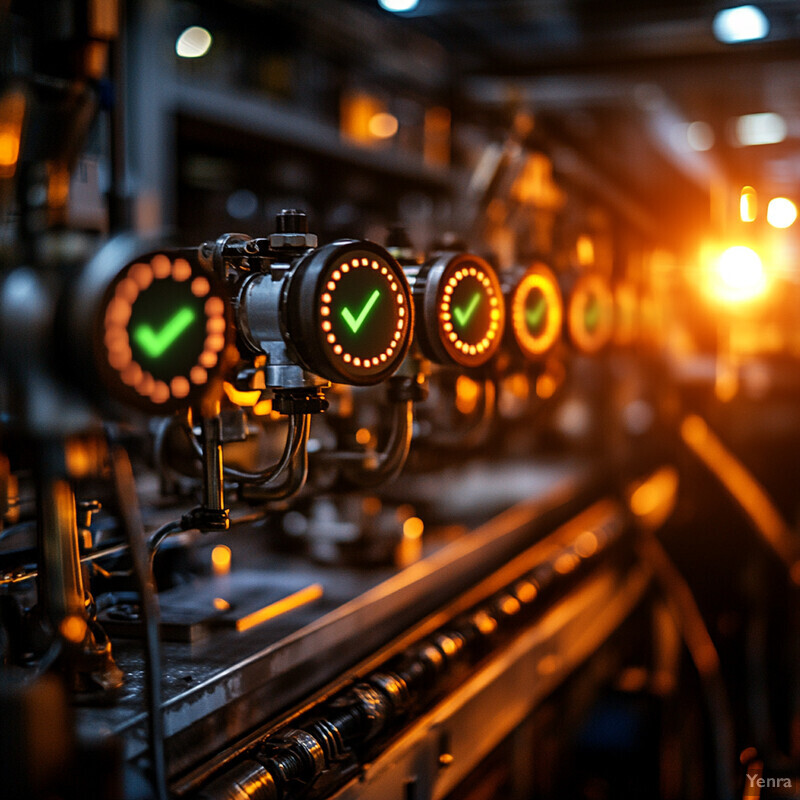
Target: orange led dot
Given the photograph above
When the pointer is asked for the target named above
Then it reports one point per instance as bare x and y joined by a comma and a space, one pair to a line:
375, 265
330, 285
354, 262
146, 384
357, 361
214, 307
367, 362
127, 290
472, 350
493, 301
142, 275
326, 325
207, 359
345, 268
200, 286
480, 347
325, 311
401, 312
495, 313
132, 374
448, 326
383, 356
161, 266
215, 342
159, 392
181, 270
331, 338
326, 298
119, 359
118, 311
347, 358
393, 286
459, 275
445, 307
491, 333
452, 337
384, 271
179, 386
116, 338
487, 283
337, 349
365, 261
198, 376
215, 325
400, 299
472, 271
337, 275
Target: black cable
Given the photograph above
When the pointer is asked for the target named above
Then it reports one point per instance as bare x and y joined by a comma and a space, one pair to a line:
297, 475
132, 522
157, 539
294, 435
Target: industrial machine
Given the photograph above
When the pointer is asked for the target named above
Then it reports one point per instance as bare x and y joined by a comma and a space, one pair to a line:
318, 512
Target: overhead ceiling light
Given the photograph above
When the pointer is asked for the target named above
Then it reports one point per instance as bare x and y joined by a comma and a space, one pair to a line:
740, 24
193, 42
398, 5
764, 128
781, 212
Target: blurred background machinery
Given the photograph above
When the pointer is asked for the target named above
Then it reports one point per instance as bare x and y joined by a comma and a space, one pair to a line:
398, 399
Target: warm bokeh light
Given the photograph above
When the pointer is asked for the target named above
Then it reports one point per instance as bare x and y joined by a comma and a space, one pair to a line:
740, 24
413, 528
221, 560
748, 204
467, 392
383, 125
738, 275
194, 42
781, 212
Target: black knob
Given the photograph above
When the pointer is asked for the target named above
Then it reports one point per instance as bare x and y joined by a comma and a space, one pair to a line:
291, 220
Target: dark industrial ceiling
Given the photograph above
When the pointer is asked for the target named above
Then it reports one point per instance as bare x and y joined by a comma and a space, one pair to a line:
612, 73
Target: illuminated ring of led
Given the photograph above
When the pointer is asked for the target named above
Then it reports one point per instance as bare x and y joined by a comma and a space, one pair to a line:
538, 277
116, 340
470, 354
586, 341
328, 296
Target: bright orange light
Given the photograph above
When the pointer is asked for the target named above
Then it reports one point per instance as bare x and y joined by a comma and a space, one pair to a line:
748, 204
738, 276
363, 435
466, 394
413, 528
585, 251
241, 398
383, 125
221, 559
781, 212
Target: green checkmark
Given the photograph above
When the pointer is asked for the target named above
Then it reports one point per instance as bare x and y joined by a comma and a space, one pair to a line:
463, 315
591, 314
156, 344
356, 322
535, 316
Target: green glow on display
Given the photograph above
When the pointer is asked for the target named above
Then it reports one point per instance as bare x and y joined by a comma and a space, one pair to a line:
591, 313
535, 316
355, 323
155, 344
463, 315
